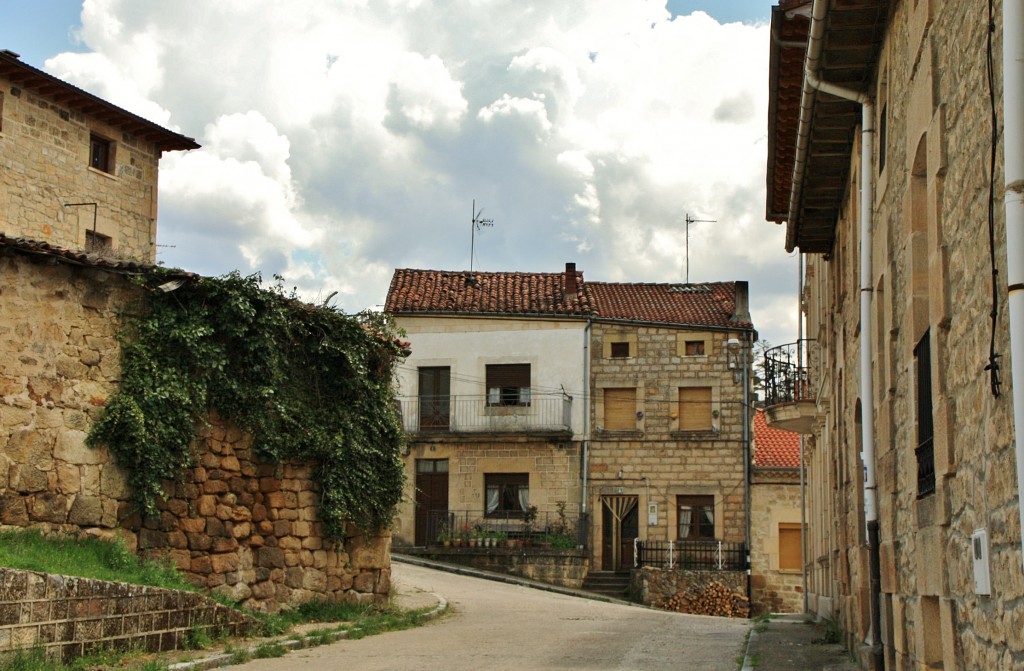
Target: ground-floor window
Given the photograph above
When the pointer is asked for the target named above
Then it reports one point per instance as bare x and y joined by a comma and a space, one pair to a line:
696, 517
508, 494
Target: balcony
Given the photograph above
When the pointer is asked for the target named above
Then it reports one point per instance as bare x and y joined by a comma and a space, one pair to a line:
542, 414
790, 386
693, 555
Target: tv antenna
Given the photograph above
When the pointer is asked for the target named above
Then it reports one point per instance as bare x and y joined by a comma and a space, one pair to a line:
478, 222
691, 220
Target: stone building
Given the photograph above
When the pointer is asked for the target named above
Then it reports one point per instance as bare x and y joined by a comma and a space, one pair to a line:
886, 164
776, 521
628, 406
75, 170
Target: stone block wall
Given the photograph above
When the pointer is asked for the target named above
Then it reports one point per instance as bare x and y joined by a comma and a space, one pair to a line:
46, 145
775, 500
247, 529
69, 617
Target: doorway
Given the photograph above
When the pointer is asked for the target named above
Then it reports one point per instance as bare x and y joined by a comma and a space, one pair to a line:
620, 525
435, 398
431, 499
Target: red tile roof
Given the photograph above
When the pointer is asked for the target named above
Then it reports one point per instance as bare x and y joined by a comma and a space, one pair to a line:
37, 248
709, 304
440, 291
774, 448
450, 292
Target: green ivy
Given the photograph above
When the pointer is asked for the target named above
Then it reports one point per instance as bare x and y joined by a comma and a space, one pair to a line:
307, 382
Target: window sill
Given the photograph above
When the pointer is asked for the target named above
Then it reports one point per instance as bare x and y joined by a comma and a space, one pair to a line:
103, 173
621, 433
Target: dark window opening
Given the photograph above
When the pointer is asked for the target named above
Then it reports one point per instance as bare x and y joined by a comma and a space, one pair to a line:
883, 130
925, 450
101, 153
508, 384
694, 348
696, 517
508, 494
97, 243
620, 350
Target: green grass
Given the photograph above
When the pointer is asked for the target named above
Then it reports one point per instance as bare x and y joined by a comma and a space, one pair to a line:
34, 659
86, 557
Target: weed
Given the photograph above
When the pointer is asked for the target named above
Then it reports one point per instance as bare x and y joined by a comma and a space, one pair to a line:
269, 649
833, 632
198, 638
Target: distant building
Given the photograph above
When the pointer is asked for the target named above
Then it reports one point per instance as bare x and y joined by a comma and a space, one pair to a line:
75, 170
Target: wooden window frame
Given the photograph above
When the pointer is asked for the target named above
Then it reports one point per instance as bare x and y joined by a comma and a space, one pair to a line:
620, 350
695, 347
508, 486
698, 527
102, 151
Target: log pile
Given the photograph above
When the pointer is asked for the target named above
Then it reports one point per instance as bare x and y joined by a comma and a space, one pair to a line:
711, 599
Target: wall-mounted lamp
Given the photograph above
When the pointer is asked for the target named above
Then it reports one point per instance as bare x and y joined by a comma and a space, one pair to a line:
732, 355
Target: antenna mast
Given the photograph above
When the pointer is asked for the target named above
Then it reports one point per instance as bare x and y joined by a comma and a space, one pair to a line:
477, 223
691, 220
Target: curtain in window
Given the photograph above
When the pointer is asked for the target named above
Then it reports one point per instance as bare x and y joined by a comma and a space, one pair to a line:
524, 396
685, 517
492, 498
494, 396
524, 496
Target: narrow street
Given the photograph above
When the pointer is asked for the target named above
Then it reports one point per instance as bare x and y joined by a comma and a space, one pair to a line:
498, 626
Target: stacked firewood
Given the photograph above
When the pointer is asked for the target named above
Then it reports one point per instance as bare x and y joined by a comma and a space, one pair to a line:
711, 599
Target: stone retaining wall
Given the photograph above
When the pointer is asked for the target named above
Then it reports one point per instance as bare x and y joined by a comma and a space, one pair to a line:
565, 568
69, 617
651, 586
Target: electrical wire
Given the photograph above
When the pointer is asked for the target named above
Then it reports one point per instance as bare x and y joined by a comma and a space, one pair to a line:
993, 356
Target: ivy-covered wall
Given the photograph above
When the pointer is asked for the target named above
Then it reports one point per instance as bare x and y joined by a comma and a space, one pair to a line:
99, 427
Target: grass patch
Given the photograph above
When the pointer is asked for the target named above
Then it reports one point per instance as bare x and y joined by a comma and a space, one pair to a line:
35, 659
268, 650
833, 633
29, 550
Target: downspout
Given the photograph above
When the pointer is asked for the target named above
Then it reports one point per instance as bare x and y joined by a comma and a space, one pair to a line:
585, 448
1013, 171
747, 346
811, 84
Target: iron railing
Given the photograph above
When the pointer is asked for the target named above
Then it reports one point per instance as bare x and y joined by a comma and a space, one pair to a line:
561, 530
474, 414
697, 555
788, 372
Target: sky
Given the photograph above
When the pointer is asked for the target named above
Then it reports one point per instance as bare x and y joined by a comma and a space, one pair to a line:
347, 138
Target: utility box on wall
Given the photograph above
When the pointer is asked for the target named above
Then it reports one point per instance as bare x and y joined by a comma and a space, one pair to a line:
979, 553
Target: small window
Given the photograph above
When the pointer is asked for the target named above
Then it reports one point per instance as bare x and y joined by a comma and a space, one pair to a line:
620, 409
925, 451
431, 465
695, 409
101, 153
790, 546
694, 348
97, 243
508, 384
508, 494
696, 517
620, 350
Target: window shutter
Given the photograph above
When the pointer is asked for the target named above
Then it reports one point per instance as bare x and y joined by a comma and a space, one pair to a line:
695, 408
620, 409
508, 375
789, 546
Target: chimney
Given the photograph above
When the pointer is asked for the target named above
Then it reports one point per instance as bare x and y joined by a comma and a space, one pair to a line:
570, 282
741, 308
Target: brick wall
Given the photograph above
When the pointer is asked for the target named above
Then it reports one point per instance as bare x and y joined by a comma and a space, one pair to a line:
69, 617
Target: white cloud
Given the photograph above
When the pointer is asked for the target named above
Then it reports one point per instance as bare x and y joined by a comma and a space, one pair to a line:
344, 139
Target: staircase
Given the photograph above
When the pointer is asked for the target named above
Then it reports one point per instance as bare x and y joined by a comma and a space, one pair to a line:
607, 583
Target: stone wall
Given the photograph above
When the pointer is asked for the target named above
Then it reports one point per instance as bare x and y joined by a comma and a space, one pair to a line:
44, 162
774, 500
69, 617
247, 529
566, 568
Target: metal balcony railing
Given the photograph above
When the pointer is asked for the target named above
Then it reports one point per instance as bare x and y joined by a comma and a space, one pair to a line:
696, 555
789, 373
479, 414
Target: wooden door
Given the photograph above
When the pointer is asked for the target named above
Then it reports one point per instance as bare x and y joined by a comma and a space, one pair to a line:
620, 525
431, 498
435, 398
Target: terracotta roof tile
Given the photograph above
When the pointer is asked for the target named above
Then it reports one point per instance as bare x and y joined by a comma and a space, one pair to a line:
774, 448
709, 304
461, 292
38, 248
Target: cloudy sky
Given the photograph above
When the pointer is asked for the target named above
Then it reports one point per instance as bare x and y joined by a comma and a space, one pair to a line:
345, 138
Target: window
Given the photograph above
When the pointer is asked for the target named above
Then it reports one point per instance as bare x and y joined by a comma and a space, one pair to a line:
431, 465
508, 494
620, 409
620, 350
695, 409
694, 348
790, 546
508, 384
97, 243
101, 153
696, 518
883, 131
435, 398
925, 450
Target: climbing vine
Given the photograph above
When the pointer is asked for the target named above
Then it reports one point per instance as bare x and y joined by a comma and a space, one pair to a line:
307, 382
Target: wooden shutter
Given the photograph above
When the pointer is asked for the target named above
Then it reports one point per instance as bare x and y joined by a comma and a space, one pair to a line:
695, 408
790, 546
620, 409
508, 375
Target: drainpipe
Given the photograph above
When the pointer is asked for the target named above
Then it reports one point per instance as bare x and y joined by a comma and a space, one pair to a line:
747, 346
585, 448
1013, 159
811, 84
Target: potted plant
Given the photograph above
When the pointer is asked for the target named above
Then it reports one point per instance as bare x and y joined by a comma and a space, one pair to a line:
529, 517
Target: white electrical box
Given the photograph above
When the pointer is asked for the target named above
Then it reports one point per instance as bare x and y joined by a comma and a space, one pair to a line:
652, 514
979, 552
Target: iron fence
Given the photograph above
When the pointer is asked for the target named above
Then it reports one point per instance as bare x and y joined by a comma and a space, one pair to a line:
789, 373
469, 414
709, 555
561, 530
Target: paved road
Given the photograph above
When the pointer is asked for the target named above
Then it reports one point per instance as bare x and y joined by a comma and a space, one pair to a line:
497, 626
